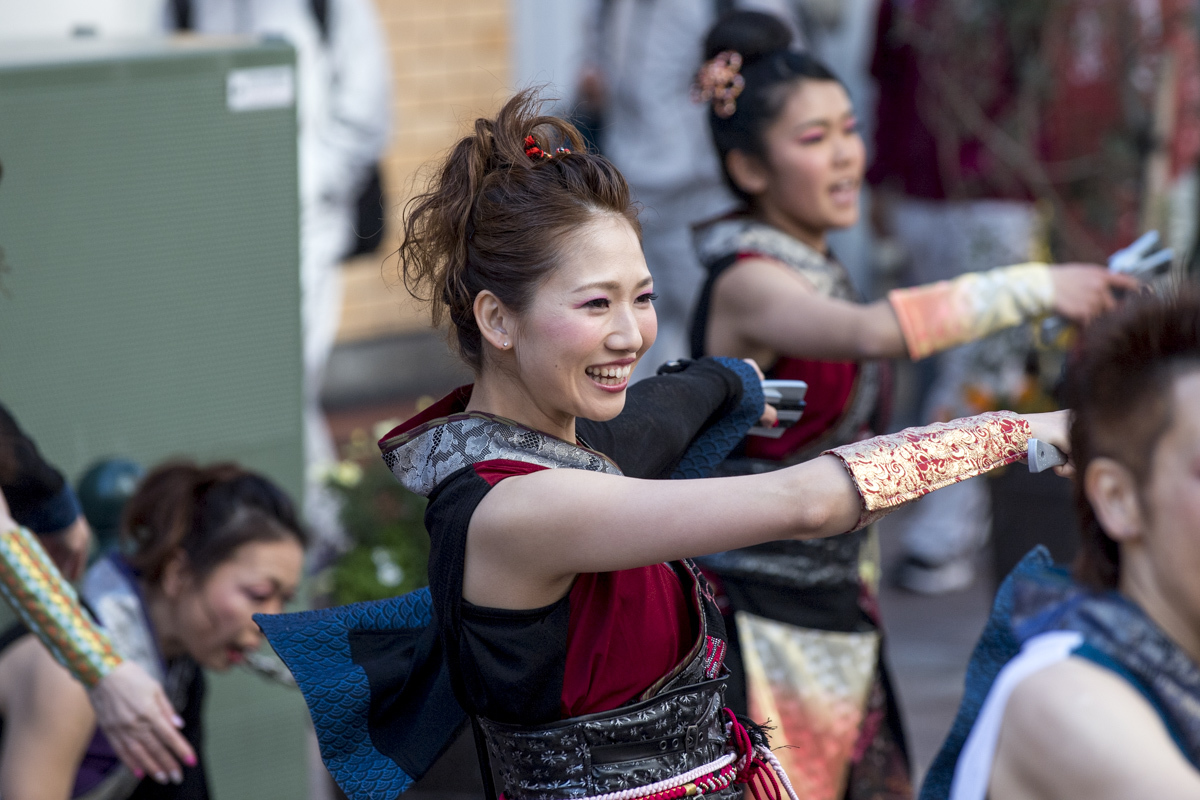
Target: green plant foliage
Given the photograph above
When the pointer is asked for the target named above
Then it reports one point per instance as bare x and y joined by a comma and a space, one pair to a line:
385, 522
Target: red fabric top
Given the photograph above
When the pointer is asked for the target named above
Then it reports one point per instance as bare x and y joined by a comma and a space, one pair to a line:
627, 628
907, 152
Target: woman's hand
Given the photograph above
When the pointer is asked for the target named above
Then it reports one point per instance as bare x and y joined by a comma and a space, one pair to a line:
1084, 291
1054, 428
140, 724
770, 415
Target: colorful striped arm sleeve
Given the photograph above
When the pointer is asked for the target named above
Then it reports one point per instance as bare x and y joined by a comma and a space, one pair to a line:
49, 606
945, 314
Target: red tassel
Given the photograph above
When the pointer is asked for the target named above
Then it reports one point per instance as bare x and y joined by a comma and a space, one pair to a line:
753, 771
531, 148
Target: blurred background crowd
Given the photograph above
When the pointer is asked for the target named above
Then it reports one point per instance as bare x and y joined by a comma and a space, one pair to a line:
199, 208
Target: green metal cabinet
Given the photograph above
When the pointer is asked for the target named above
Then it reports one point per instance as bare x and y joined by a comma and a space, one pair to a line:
149, 291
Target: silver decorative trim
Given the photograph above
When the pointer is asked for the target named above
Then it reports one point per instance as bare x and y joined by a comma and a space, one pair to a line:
424, 457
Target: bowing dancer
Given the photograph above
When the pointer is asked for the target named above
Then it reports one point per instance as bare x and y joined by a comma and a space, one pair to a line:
207, 548
573, 629
1086, 683
42, 533
789, 142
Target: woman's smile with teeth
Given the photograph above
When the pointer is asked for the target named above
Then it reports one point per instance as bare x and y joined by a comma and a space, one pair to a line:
610, 375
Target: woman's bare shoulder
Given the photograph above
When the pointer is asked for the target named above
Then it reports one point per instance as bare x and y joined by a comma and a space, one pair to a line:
753, 278
1078, 730
48, 722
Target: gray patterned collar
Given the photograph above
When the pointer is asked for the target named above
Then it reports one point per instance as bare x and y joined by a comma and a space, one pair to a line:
723, 237
719, 238
424, 456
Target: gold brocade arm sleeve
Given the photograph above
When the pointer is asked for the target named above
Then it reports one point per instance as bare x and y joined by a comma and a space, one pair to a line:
945, 314
891, 470
48, 605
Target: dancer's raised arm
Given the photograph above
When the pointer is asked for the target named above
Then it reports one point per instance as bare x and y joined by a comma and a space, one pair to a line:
532, 534
763, 307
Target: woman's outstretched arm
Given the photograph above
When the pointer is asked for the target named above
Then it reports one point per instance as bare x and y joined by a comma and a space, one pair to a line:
532, 534
762, 308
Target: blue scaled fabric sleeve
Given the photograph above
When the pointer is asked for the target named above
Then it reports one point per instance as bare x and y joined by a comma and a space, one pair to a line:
342, 657
374, 675
718, 438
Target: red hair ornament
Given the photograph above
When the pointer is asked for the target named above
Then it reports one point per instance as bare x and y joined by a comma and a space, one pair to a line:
535, 152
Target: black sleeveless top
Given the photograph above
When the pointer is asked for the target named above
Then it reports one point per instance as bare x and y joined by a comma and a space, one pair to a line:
513, 667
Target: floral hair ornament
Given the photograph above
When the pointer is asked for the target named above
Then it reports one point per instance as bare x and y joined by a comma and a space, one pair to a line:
535, 152
720, 82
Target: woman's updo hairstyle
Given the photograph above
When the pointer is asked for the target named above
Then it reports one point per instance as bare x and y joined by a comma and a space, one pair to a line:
1119, 384
204, 512
770, 69
496, 215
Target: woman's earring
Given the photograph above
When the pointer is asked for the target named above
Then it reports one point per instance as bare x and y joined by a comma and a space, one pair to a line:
506, 345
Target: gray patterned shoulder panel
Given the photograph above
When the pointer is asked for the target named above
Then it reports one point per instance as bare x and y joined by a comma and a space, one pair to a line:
724, 237
425, 456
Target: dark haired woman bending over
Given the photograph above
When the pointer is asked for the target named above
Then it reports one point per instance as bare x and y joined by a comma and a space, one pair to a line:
789, 142
208, 547
576, 632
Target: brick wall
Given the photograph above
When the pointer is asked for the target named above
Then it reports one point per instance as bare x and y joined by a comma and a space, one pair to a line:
450, 64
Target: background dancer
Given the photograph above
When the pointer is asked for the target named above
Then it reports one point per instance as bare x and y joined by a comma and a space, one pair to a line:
789, 141
1103, 700
559, 585
47, 533
209, 547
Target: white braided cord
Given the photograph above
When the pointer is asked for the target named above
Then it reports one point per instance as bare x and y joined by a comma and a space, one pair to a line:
671, 783
766, 755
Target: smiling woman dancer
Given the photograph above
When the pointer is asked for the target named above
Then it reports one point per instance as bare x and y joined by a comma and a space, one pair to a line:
208, 548
789, 142
577, 635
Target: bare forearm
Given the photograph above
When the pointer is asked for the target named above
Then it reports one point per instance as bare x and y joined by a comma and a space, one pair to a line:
880, 335
544, 528
570, 522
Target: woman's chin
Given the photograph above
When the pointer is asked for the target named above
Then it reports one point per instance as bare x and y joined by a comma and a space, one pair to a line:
844, 218
602, 403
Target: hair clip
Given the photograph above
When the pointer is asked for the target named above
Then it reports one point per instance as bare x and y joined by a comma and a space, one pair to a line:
533, 151
720, 83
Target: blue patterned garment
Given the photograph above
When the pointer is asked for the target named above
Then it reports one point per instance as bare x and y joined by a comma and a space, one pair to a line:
1038, 597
